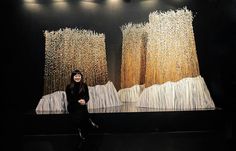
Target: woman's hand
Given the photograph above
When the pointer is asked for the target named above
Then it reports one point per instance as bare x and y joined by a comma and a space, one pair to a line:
82, 101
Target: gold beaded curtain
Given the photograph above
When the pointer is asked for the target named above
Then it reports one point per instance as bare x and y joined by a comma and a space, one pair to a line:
133, 54
68, 49
171, 51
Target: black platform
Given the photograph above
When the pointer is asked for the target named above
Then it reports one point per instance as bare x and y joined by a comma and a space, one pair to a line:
128, 128
126, 119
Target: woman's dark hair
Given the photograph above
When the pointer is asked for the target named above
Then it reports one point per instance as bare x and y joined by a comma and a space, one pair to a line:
74, 73
74, 84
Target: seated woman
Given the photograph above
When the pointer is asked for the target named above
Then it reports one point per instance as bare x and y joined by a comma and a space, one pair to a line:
77, 96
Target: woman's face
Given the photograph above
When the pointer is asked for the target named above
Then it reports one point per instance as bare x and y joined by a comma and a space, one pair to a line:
77, 77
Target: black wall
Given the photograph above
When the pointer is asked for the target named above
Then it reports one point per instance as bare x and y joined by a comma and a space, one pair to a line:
214, 27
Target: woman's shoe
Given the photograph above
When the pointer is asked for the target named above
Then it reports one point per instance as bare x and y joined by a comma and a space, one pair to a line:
81, 136
93, 124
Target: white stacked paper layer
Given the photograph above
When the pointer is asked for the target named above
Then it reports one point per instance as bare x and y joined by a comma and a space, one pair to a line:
188, 93
130, 94
101, 96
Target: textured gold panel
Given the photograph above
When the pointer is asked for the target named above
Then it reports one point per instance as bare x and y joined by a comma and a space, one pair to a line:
171, 51
68, 49
133, 55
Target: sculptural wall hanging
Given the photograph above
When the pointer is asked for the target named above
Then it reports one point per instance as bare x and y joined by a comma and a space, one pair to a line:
172, 77
133, 55
68, 49
171, 51
159, 66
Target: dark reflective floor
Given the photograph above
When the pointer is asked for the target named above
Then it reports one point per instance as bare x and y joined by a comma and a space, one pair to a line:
181, 141
128, 130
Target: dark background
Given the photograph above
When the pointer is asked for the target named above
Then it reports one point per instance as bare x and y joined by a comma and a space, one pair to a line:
23, 42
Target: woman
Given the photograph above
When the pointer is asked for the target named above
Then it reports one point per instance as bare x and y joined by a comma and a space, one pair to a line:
77, 96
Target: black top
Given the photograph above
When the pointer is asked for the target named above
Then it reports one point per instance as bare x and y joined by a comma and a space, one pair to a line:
74, 93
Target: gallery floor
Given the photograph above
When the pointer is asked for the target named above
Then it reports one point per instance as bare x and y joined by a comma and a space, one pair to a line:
127, 128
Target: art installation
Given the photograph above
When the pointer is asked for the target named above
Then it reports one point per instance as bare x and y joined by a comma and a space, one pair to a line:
172, 77
159, 66
171, 50
133, 55
68, 49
